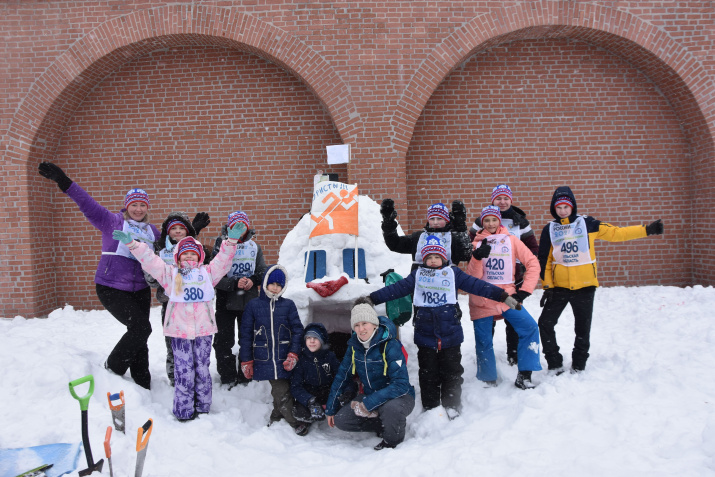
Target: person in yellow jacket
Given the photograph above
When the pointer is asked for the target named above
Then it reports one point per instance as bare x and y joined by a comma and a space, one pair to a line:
568, 271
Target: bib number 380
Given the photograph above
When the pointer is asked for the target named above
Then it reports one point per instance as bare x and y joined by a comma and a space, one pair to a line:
434, 298
193, 294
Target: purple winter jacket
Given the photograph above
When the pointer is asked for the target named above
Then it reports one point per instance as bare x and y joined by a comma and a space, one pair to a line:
113, 271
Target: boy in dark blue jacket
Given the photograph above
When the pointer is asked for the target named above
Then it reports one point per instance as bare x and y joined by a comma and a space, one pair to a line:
380, 361
313, 376
437, 321
270, 342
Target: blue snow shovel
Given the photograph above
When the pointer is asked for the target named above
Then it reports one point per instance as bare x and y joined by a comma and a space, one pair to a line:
83, 405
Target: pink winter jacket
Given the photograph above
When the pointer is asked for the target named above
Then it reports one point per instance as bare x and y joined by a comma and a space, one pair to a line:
186, 320
480, 307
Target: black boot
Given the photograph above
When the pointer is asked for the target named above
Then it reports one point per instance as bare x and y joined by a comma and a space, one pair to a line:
523, 380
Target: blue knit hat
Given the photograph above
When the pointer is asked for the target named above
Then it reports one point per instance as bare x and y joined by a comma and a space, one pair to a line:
277, 276
136, 195
501, 189
433, 244
490, 210
438, 210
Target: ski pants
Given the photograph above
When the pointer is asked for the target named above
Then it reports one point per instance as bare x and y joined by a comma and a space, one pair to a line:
283, 400
391, 421
131, 352
581, 301
527, 349
440, 375
512, 340
169, 351
192, 379
226, 362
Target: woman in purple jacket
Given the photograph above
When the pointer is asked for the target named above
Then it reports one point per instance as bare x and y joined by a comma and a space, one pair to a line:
119, 280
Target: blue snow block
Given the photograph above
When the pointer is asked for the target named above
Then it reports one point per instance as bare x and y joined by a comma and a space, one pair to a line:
316, 265
17, 461
349, 261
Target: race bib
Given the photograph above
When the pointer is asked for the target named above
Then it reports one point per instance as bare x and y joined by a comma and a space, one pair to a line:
196, 286
570, 243
434, 287
168, 256
244, 260
140, 232
499, 265
444, 237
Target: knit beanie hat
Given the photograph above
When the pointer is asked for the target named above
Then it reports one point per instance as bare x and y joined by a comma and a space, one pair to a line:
363, 312
189, 244
501, 189
438, 210
314, 334
563, 200
277, 276
236, 217
136, 195
173, 222
433, 244
490, 210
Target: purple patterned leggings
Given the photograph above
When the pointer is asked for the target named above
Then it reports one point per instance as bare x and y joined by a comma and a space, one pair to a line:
192, 389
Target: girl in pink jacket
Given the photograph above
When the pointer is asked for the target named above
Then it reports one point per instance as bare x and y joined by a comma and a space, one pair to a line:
494, 260
190, 320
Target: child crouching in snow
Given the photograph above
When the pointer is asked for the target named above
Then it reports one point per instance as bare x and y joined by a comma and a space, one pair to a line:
190, 318
437, 321
313, 376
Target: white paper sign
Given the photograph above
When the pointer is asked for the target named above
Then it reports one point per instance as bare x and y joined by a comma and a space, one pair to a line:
338, 154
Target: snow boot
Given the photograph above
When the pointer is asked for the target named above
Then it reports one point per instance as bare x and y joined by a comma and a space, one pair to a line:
523, 380
383, 445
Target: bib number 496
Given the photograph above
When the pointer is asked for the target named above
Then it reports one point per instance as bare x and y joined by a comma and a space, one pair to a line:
569, 247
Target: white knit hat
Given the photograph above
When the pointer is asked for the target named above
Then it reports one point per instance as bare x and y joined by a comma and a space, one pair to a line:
363, 312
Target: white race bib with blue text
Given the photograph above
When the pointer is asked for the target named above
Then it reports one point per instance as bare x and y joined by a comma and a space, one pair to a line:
435, 287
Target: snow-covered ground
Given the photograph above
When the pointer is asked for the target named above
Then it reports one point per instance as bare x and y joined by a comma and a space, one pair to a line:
644, 406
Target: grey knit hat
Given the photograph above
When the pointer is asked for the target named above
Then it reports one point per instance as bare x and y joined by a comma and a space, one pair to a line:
363, 312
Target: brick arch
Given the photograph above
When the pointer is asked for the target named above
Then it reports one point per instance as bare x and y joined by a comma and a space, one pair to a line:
678, 74
37, 126
56, 93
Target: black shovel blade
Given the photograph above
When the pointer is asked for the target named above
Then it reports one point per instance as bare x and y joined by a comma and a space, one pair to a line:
97, 467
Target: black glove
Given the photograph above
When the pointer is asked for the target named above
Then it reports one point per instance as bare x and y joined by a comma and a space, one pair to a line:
54, 173
654, 228
482, 251
459, 216
346, 397
389, 214
200, 222
521, 295
548, 295
317, 413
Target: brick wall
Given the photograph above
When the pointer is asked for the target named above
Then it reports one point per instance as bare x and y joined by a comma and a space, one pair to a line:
222, 105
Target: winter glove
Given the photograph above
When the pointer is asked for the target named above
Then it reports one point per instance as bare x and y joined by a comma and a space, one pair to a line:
237, 231
325, 289
346, 397
247, 368
509, 301
54, 173
290, 362
482, 251
521, 295
317, 413
654, 228
361, 411
200, 222
548, 294
387, 210
459, 216
123, 237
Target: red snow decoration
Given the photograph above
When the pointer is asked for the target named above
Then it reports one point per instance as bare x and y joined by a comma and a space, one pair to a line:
328, 288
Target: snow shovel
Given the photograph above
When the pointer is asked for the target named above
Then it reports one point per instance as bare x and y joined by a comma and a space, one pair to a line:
83, 405
118, 417
144, 431
108, 449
